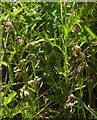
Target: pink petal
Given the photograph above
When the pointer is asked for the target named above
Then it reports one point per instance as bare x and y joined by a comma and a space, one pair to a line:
17, 38
31, 82
9, 24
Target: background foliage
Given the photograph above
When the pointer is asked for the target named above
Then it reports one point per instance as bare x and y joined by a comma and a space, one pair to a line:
67, 88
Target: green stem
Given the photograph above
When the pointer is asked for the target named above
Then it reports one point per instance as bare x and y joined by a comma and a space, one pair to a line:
90, 98
33, 70
37, 100
64, 42
36, 83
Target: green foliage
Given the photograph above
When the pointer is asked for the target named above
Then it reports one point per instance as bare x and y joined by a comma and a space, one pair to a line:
50, 70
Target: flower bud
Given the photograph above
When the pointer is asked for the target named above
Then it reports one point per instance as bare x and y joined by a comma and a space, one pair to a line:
70, 105
70, 98
18, 71
77, 48
18, 40
9, 24
31, 82
75, 30
80, 21
37, 79
26, 93
78, 70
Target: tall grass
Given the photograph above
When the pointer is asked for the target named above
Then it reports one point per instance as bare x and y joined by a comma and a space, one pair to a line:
49, 60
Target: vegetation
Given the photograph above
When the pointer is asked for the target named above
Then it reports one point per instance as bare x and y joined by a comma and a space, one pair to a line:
49, 60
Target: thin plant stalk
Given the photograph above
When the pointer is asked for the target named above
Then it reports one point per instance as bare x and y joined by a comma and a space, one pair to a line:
64, 45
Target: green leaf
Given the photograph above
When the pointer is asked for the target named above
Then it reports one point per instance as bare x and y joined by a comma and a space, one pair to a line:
16, 12
41, 85
90, 110
31, 89
10, 97
90, 32
3, 63
11, 56
77, 88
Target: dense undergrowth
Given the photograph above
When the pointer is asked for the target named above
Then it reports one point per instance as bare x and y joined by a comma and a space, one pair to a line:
49, 60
